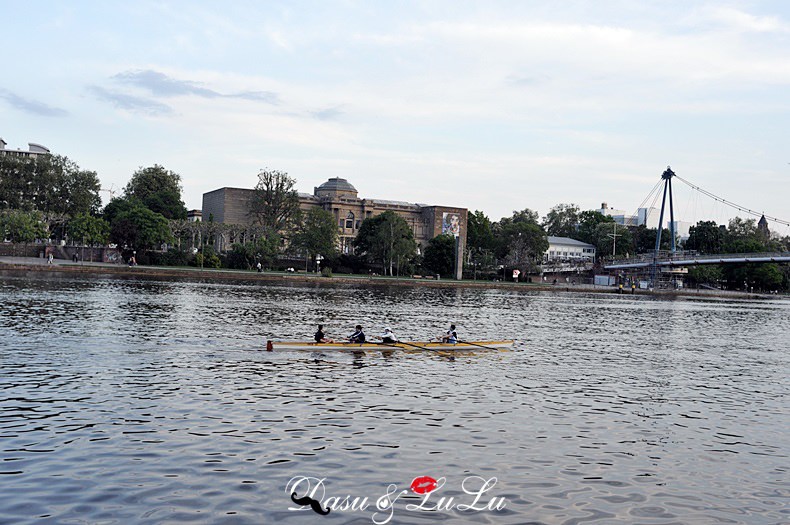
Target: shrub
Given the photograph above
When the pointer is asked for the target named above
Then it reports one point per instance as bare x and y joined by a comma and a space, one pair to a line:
207, 258
169, 258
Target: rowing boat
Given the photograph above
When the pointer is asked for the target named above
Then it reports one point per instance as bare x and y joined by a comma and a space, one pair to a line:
404, 345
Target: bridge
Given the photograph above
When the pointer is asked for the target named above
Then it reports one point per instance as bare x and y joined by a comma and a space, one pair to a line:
659, 260
691, 258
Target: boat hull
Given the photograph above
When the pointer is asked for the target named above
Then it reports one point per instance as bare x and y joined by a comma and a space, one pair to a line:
378, 347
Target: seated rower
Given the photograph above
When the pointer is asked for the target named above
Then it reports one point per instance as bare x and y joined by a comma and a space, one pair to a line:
358, 336
388, 336
451, 336
320, 337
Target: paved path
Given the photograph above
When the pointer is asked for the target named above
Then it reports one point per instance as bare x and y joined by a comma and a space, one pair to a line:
42, 261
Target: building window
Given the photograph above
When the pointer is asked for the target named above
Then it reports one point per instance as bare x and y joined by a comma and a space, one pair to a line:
359, 223
350, 221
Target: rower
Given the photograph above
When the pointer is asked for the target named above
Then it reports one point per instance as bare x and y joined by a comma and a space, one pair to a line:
358, 336
451, 336
388, 336
320, 337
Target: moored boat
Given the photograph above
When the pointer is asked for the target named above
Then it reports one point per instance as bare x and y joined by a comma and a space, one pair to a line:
402, 345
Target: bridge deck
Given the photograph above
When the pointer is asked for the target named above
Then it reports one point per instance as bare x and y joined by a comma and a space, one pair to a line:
686, 259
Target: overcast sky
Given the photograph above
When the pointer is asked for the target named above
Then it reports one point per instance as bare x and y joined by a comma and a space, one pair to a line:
489, 105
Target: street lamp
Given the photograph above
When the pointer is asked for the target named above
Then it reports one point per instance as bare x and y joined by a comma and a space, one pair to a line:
614, 235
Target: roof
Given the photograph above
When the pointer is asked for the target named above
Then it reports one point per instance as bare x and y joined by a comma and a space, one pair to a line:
337, 184
567, 241
393, 203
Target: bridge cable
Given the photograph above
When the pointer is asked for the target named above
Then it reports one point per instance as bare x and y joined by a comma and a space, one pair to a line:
732, 204
658, 184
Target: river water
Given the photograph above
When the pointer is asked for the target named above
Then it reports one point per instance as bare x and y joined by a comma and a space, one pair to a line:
133, 401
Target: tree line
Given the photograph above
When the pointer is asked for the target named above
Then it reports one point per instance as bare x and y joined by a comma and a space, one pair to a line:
496, 243
52, 198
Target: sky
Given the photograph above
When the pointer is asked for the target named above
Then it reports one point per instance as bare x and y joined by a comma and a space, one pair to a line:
489, 105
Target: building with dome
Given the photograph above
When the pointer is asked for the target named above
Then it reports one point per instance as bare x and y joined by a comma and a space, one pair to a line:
340, 197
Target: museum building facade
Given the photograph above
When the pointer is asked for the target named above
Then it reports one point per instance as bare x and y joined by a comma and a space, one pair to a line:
341, 199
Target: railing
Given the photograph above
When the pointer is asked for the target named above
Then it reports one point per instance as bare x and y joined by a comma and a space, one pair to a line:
691, 258
566, 267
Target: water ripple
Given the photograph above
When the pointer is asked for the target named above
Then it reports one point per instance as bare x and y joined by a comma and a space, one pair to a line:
132, 401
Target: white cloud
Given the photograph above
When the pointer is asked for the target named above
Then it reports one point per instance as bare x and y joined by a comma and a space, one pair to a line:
741, 21
487, 104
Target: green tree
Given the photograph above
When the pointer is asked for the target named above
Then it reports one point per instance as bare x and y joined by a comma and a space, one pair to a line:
562, 221
706, 237
710, 274
159, 190
742, 228
79, 189
388, 240
14, 177
644, 239
316, 233
51, 184
88, 229
274, 203
20, 226
117, 206
767, 277
480, 242
247, 255
139, 228
521, 241
439, 255
207, 258
526, 216
605, 241
479, 232
762, 277
743, 237
588, 222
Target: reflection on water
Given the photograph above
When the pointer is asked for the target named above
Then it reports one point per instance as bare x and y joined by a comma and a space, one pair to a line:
129, 401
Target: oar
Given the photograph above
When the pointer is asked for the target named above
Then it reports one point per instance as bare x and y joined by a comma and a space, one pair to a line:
415, 346
437, 350
388, 345
394, 345
475, 344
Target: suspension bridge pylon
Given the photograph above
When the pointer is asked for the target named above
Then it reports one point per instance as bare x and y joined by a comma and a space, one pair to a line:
667, 178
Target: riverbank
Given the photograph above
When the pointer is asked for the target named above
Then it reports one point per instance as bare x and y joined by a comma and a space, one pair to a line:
31, 265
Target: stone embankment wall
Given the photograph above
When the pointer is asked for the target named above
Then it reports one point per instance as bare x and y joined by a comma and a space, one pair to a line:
8, 249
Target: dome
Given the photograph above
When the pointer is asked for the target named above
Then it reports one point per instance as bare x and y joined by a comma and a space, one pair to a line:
335, 186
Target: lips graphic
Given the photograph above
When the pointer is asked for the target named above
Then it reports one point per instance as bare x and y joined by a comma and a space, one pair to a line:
423, 485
